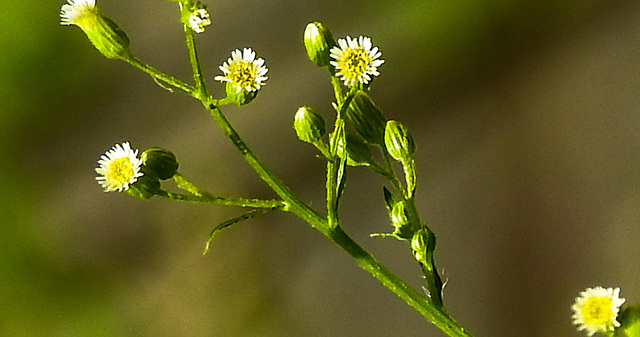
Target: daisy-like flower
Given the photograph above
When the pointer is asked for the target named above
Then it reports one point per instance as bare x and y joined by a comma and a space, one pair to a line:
596, 310
243, 71
199, 19
119, 168
356, 60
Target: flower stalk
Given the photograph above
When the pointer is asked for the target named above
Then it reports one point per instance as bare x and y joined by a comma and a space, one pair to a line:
355, 63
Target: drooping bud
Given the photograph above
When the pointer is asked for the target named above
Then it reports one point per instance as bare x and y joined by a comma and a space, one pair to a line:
103, 33
366, 118
309, 125
399, 141
318, 41
159, 162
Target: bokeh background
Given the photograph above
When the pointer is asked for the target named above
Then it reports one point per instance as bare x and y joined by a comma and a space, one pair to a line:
525, 113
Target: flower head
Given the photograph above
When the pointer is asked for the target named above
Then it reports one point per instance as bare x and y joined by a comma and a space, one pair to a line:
356, 60
243, 71
119, 168
596, 310
199, 19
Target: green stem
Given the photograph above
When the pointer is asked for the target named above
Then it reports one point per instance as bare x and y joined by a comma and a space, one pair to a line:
337, 235
162, 77
439, 318
293, 204
208, 198
194, 59
335, 172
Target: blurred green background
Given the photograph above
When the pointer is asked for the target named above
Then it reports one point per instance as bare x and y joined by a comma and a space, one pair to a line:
525, 113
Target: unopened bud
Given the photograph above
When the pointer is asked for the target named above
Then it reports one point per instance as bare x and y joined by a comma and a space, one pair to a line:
309, 125
404, 227
419, 245
399, 141
318, 41
159, 162
366, 118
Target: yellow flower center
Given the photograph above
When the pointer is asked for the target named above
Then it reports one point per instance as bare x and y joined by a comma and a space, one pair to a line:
355, 62
121, 172
242, 73
597, 311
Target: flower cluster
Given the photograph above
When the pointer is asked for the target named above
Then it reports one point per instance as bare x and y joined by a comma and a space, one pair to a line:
596, 310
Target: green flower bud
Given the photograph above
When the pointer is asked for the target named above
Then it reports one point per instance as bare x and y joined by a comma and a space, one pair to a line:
419, 245
366, 118
399, 141
318, 41
404, 228
309, 125
103, 33
159, 162
145, 187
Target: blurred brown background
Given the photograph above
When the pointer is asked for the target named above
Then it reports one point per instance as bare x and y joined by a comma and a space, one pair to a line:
525, 115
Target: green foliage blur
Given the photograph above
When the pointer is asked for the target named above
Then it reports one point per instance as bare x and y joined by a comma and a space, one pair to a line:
525, 116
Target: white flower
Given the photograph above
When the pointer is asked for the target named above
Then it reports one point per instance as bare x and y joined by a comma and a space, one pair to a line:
244, 71
119, 168
356, 60
76, 11
199, 19
596, 310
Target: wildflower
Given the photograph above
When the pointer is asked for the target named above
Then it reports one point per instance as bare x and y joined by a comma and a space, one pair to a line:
596, 310
119, 168
356, 60
103, 33
243, 71
199, 19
